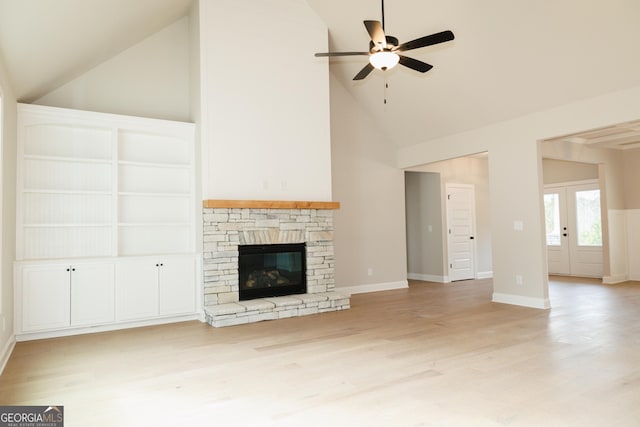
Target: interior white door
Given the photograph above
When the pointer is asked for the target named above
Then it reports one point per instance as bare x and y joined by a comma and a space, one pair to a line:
574, 229
460, 206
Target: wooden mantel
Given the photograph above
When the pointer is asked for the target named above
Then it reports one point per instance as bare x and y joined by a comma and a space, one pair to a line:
269, 204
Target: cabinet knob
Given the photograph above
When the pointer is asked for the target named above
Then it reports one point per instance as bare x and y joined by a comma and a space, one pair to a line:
68, 269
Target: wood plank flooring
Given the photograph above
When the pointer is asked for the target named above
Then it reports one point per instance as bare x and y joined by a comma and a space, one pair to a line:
430, 355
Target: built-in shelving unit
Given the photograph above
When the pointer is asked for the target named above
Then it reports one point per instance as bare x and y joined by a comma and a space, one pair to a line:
102, 188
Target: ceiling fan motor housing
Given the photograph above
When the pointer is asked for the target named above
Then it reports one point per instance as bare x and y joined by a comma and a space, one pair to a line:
391, 43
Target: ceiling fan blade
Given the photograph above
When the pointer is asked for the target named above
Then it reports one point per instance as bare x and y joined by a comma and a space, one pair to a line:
341, 53
364, 72
374, 28
414, 64
441, 37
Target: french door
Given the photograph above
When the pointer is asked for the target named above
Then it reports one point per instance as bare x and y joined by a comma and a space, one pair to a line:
574, 229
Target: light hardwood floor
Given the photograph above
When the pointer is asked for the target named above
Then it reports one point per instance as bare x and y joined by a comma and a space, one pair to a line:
430, 355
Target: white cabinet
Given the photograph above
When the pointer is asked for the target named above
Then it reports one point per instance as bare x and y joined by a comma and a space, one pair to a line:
137, 285
176, 286
92, 293
156, 287
60, 295
45, 298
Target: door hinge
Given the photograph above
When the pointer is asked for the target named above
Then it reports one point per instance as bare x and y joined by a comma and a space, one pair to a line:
448, 196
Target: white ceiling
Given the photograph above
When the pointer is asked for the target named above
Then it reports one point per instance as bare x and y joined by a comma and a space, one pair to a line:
509, 58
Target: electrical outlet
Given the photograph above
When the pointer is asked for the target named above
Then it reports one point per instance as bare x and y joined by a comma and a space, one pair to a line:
518, 279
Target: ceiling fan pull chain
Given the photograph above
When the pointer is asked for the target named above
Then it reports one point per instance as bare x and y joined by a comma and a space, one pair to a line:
386, 86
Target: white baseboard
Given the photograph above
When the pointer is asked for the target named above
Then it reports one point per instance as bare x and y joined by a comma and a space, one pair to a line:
28, 336
542, 303
484, 275
373, 287
445, 279
6, 352
634, 277
428, 277
612, 280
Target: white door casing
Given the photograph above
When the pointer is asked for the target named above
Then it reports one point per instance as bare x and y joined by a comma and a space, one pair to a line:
460, 206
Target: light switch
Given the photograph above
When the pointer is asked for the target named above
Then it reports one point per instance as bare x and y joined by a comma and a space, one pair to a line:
518, 225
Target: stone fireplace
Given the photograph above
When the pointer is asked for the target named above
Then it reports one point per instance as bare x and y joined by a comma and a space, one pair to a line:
231, 224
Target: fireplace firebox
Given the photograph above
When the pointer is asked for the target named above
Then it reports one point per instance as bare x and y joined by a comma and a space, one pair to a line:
271, 270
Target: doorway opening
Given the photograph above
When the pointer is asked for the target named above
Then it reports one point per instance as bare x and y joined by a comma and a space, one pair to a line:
431, 254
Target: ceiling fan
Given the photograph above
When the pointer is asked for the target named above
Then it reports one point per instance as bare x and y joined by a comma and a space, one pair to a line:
384, 51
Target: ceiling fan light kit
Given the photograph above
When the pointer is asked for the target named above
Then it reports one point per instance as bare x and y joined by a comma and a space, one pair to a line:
384, 50
384, 60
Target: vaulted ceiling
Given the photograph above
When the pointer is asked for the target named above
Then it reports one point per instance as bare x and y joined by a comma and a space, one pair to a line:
509, 57
47, 43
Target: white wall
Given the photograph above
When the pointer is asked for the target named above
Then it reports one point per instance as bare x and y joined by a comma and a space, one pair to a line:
150, 79
369, 228
515, 176
265, 101
631, 165
425, 248
632, 227
8, 215
560, 171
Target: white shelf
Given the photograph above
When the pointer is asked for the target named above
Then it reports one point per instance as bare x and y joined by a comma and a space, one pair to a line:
154, 224
67, 159
155, 195
154, 165
85, 192
63, 225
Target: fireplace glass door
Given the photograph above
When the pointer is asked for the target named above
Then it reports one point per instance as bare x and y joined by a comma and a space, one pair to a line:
271, 270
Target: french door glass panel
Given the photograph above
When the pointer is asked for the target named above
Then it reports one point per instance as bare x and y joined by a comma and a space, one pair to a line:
588, 221
552, 218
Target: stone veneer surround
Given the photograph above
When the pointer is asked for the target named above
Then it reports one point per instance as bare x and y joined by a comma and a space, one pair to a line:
227, 228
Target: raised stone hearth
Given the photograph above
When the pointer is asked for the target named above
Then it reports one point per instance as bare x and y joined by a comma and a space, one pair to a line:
227, 226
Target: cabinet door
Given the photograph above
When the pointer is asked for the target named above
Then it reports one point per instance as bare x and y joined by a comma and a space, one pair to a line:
136, 289
92, 293
45, 297
177, 286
